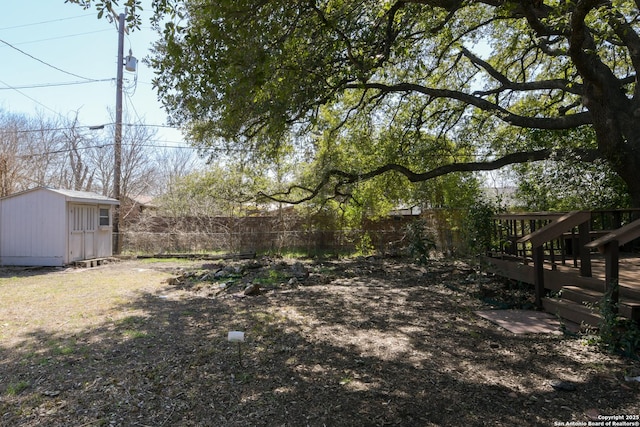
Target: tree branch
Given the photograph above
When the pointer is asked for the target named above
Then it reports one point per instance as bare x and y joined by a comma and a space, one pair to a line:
582, 46
629, 37
550, 123
559, 84
346, 178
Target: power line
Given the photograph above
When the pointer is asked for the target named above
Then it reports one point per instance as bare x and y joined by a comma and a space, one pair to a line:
43, 62
133, 107
166, 142
152, 125
91, 127
46, 129
62, 37
32, 99
45, 22
45, 85
110, 144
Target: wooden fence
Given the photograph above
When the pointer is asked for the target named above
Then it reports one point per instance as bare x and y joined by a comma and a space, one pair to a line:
156, 234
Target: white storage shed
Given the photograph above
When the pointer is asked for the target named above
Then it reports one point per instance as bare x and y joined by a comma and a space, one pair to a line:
52, 227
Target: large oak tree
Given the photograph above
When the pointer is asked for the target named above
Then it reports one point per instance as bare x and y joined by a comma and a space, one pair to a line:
255, 73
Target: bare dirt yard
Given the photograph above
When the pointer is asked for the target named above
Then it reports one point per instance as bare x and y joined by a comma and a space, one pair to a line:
355, 342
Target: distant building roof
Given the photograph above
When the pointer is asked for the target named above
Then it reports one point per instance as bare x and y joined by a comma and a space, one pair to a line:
143, 200
504, 195
412, 211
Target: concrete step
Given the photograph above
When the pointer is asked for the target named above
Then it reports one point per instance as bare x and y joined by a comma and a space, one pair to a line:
571, 310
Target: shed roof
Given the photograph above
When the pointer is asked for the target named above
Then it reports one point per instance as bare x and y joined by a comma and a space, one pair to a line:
72, 195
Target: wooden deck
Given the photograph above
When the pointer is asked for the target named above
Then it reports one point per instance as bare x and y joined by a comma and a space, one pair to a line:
629, 269
580, 295
560, 274
574, 260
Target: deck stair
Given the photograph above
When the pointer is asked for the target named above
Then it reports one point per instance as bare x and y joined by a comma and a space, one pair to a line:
581, 304
572, 311
555, 252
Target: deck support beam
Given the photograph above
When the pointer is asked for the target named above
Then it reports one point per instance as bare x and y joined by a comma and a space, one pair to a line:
538, 275
612, 272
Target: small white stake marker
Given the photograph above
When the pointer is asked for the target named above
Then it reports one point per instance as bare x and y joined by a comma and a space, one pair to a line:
237, 336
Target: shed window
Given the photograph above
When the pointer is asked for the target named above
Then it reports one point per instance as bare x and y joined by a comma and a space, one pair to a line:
104, 217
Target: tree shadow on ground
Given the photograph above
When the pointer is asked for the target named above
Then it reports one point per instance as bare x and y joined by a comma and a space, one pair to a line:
371, 347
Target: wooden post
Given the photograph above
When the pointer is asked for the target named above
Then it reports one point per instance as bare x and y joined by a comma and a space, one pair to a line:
563, 250
523, 251
511, 249
585, 255
498, 228
574, 246
612, 271
117, 146
538, 275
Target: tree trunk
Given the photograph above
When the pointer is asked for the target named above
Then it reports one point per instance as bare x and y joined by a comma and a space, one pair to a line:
617, 132
624, 157
633, 185
629, 157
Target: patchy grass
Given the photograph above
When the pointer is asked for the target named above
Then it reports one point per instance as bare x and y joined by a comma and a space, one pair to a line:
16, 388
271, 278
160, 260
70, 300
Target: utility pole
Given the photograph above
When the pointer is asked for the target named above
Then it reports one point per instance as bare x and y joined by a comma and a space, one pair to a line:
117, 147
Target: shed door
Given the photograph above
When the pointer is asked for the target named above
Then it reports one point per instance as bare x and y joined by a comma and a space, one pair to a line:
83, 222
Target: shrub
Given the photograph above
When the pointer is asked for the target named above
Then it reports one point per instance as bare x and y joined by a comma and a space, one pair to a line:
617, 334
479, 227
419, 242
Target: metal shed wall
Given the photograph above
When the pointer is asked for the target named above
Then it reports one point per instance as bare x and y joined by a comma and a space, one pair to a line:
38, 227
33, 229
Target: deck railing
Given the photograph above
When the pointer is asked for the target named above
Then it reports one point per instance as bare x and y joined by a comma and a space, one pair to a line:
610, 245
553, 231
555, 237
509, 229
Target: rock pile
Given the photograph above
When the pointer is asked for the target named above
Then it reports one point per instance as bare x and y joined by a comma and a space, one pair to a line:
242, 278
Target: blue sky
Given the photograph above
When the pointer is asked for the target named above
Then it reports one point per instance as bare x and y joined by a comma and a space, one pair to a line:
55, 44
